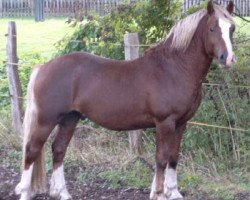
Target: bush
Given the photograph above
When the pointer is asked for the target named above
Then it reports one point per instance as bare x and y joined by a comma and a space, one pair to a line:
27, 62
104, 35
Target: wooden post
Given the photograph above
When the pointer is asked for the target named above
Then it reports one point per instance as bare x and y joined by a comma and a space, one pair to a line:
14, 81
131, 43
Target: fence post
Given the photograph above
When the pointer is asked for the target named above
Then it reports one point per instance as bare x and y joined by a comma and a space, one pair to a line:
39, 10
131, 43
14, 81
1, 8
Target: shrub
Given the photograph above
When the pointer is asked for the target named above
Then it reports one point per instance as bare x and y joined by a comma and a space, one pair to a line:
27, 62
104, 35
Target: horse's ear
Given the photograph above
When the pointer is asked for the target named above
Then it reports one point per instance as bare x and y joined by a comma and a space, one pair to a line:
210, 7
230, 7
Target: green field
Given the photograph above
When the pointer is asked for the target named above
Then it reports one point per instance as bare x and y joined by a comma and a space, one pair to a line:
34, 37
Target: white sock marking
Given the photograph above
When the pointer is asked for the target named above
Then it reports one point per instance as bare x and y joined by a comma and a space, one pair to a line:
170, 184
23, 188
58, 184
225, 29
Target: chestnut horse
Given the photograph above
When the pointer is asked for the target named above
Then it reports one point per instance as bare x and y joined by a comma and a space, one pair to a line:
162, 89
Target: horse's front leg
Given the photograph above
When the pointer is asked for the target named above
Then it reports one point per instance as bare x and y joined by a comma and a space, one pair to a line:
170, 183
168, 139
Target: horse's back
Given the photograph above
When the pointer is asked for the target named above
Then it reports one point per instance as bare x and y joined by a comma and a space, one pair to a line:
94, 86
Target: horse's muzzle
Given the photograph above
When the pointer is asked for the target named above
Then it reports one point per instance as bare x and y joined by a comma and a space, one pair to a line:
227, 60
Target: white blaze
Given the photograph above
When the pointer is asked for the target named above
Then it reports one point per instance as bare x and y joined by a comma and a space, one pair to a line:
225, 29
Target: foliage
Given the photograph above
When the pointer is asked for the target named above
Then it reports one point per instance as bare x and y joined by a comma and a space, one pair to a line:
27, 62
226, 106
190, 181
4, 90
136, 175
34, 46
104, 35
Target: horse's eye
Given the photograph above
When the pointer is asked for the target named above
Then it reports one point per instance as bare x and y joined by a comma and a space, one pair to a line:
212, 29
232, 28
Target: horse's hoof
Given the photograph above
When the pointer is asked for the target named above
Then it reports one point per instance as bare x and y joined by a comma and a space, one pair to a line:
158, 196
65, 196
18, 189
60, 194
174, 195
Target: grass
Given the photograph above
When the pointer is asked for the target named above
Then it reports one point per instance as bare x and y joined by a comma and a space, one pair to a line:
105, 155
34, 37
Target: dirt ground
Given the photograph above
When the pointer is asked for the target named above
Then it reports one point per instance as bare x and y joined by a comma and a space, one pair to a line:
94, 190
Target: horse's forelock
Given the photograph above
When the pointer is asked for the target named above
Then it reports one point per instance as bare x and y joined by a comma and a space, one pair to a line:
222, 13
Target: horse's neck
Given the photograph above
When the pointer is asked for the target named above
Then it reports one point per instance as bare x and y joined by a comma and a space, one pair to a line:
189, 66
194, 60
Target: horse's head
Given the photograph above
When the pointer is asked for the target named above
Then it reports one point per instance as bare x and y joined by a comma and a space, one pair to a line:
220, 29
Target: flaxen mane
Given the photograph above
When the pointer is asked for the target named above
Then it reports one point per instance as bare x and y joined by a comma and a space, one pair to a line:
184, 30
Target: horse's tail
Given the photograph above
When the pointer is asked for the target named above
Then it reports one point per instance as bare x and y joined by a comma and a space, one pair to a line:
38, 183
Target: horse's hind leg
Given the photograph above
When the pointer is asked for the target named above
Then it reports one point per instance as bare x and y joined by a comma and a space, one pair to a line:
33, 175
65, 131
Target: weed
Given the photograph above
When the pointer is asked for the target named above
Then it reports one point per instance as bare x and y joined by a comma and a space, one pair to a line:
190, 181
135, 175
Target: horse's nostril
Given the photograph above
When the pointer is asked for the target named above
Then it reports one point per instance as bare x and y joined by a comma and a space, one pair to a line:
222, 58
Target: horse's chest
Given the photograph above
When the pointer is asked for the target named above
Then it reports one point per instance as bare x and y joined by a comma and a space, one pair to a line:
192, 106
181, 106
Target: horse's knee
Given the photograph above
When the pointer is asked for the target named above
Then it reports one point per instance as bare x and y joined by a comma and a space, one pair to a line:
58, 152
162, 158
31, 153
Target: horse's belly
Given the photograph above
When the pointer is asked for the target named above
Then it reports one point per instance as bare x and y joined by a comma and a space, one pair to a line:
121, 121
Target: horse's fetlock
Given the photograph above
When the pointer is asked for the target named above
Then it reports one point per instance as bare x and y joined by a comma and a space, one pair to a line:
23, 190
160, 196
